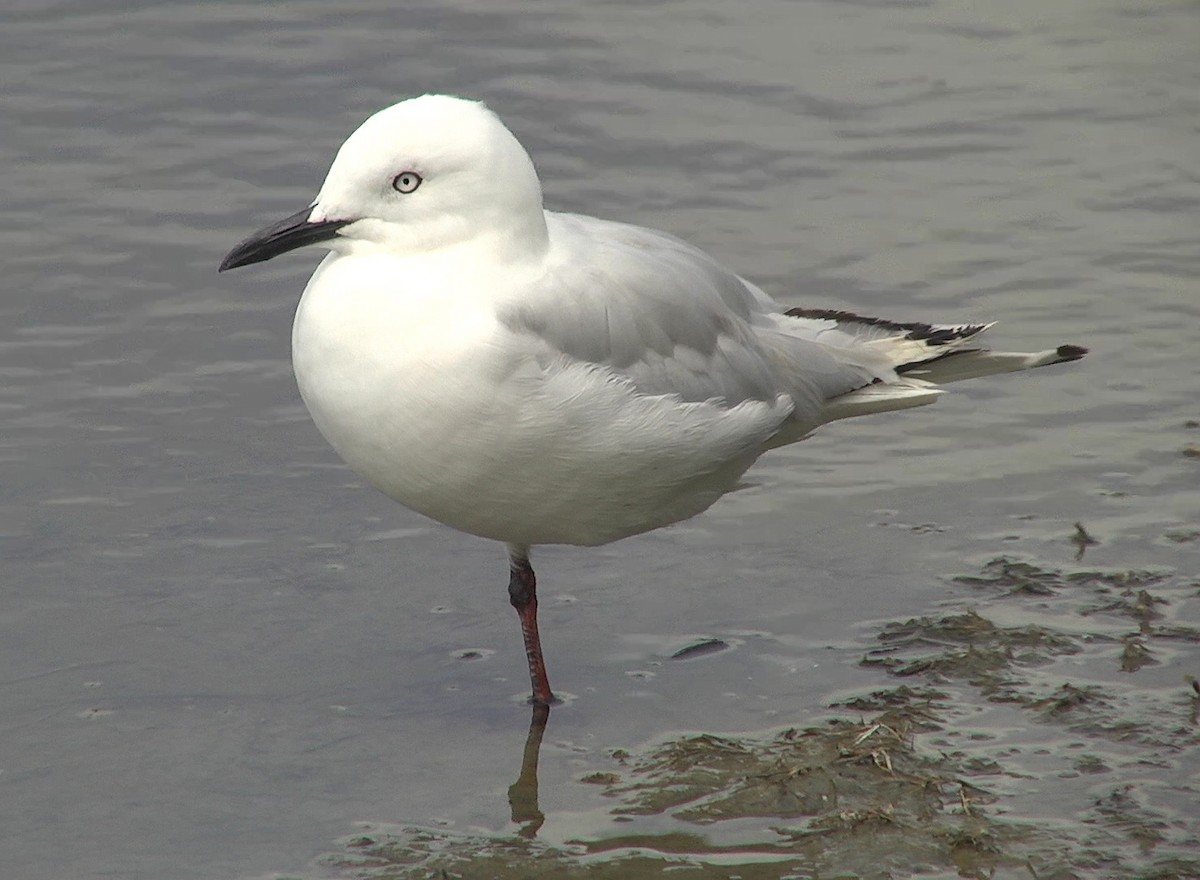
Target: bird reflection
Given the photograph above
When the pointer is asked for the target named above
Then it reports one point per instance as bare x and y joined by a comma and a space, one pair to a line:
523, 794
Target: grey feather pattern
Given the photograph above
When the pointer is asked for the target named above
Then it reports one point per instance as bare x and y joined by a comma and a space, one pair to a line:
699, 332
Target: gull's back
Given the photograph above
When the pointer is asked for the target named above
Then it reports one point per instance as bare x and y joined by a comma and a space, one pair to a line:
659, 312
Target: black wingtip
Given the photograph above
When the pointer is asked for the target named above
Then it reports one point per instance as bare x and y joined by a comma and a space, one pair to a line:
931, 334
1071, 352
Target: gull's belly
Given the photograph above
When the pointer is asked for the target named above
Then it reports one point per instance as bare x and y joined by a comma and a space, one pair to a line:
490, 458
454, 417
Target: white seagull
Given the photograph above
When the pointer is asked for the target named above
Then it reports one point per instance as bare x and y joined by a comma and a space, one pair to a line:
543, 378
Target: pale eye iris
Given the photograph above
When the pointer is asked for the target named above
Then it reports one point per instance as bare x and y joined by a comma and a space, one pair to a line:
406, 181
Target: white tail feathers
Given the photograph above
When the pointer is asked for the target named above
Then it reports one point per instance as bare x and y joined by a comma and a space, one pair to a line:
881, 397
922, 355
957, 366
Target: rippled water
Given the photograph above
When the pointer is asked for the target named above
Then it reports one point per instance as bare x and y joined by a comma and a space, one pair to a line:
220, 651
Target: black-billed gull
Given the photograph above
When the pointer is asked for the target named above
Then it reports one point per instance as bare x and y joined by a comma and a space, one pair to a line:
543, 378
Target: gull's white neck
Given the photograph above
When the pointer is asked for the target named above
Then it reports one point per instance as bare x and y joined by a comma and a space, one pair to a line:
516, 238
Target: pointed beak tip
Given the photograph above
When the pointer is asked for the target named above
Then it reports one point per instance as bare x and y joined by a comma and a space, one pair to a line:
244, 253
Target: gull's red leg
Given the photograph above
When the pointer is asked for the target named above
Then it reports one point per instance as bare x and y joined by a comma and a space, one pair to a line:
522, 592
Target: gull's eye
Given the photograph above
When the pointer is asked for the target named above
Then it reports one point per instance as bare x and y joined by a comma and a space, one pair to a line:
406, 181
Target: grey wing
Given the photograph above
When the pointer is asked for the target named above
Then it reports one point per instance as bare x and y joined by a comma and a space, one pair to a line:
666, 316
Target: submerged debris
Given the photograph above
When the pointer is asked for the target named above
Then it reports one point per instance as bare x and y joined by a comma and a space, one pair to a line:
902, 787
966, 646
701, 648
1020, 577
843, 799
847, 799
1135, 654
1015, 577
1082, 540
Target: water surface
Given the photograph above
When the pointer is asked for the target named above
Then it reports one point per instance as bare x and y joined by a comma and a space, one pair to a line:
221, 651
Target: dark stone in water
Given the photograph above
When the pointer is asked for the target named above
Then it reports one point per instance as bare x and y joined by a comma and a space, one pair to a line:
700, 649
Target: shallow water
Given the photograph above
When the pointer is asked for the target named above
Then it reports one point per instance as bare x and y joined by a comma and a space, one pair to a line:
221, 653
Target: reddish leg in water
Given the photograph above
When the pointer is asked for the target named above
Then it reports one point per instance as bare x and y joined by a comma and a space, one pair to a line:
522, 592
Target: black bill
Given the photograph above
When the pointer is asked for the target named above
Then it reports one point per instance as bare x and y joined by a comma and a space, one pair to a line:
279, 238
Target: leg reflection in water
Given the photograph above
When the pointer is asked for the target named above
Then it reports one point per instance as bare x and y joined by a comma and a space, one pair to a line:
523, 794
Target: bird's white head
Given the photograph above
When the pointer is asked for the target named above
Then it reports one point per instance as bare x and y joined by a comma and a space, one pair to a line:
424, 174
429, 171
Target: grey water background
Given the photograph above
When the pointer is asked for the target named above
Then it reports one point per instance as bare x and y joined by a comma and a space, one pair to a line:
219, 651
